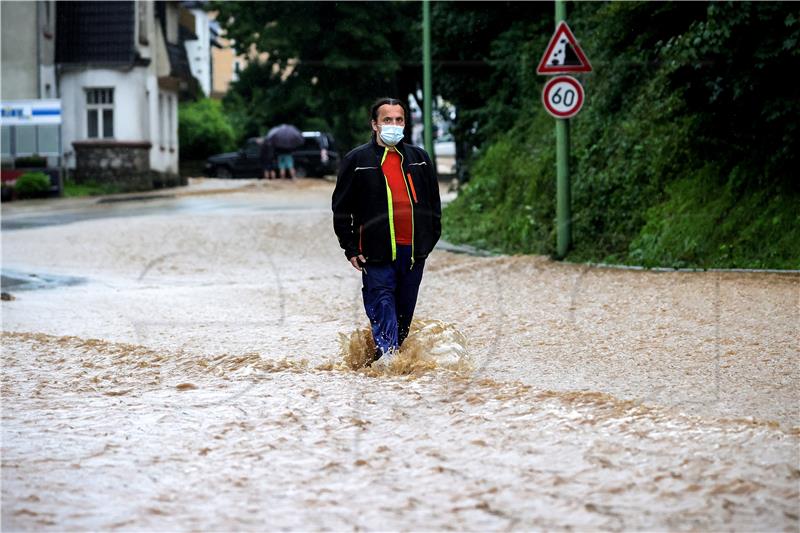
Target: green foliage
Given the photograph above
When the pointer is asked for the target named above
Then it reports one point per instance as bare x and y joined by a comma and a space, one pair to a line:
259, 100
33, 161
702, 224
89, 188
325, 63
507, 206
203, 129
482, 54
731, 68
684, 152
32, 185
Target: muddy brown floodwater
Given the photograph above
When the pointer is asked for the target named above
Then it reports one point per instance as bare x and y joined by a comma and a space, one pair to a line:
199, 377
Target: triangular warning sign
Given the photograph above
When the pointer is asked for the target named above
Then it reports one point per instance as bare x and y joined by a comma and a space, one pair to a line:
563, 54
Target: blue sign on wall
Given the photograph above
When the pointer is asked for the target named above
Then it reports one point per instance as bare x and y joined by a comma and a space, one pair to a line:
30, 112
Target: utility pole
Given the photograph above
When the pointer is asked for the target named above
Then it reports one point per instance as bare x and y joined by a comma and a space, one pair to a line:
563, 194
563, 97
427, 92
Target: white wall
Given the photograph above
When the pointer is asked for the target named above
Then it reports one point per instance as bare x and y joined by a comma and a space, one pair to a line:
163, 128
19, 61
46, 11
199, 51
136, 113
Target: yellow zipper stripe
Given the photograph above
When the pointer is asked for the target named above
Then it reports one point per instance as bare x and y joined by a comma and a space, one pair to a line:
391, 207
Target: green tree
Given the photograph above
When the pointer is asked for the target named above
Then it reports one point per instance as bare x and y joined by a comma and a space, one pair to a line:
484, 60
325, 62
684, 152
203, 129
687, 113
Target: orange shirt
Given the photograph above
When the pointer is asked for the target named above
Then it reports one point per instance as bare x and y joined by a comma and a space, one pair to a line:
401, 203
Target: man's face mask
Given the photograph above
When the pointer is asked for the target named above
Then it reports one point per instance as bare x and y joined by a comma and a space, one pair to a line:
391, 134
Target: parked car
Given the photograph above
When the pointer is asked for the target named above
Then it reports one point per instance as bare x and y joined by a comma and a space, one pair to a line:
317, 157
246, 163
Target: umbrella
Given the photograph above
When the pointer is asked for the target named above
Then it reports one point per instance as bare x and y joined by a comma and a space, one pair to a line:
285, 137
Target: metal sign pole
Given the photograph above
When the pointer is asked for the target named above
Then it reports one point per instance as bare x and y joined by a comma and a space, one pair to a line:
427, 96
563, 200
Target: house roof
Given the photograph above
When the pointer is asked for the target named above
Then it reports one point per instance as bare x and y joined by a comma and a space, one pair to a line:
95, 32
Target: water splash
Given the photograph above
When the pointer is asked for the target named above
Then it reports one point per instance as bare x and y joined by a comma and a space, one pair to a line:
430, 344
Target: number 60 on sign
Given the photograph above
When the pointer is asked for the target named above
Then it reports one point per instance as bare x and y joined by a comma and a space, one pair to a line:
563, 96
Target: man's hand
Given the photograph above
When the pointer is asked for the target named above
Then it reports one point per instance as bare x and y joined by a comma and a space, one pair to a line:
355, 260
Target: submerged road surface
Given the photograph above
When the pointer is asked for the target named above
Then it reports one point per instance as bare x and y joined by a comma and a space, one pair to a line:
194, 375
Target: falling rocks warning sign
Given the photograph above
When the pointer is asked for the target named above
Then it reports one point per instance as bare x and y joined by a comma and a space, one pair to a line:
563, 54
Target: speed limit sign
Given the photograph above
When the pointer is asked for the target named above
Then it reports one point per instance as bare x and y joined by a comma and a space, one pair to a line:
563, 96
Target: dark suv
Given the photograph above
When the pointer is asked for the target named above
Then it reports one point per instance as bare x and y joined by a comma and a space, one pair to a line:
317, 157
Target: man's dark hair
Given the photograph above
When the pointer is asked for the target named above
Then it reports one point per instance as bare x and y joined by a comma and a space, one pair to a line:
387, 101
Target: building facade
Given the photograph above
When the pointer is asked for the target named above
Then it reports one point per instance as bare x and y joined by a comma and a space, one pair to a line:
30, 110
118, 69
121, 69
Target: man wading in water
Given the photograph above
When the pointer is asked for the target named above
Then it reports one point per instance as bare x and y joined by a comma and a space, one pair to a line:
387, 217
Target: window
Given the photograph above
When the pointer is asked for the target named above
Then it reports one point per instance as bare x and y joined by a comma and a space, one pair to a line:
48, 139
311, 143
237, 68
25, 140
100, 113
6, 140
31, 140
252, 149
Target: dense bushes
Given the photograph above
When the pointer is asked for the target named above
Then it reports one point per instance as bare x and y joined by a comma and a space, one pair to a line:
203, 129
702, 224
32, 185
31, 161
509, 183
683, 155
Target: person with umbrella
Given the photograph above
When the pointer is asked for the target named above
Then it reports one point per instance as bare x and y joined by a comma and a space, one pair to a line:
285, 138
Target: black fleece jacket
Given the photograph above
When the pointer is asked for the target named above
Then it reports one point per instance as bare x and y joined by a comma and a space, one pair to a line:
361, 203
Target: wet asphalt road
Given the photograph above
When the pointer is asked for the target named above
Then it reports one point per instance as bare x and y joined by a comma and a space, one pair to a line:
43, 214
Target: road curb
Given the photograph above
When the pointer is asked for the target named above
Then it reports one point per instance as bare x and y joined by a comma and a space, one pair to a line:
668, 269
478, 252
136, 198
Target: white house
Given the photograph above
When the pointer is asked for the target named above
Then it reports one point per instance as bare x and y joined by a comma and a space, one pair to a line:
121, 68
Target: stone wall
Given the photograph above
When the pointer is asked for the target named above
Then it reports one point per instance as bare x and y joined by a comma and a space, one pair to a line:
123, 164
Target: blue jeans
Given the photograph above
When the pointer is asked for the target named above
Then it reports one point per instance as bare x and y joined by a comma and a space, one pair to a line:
390, 295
